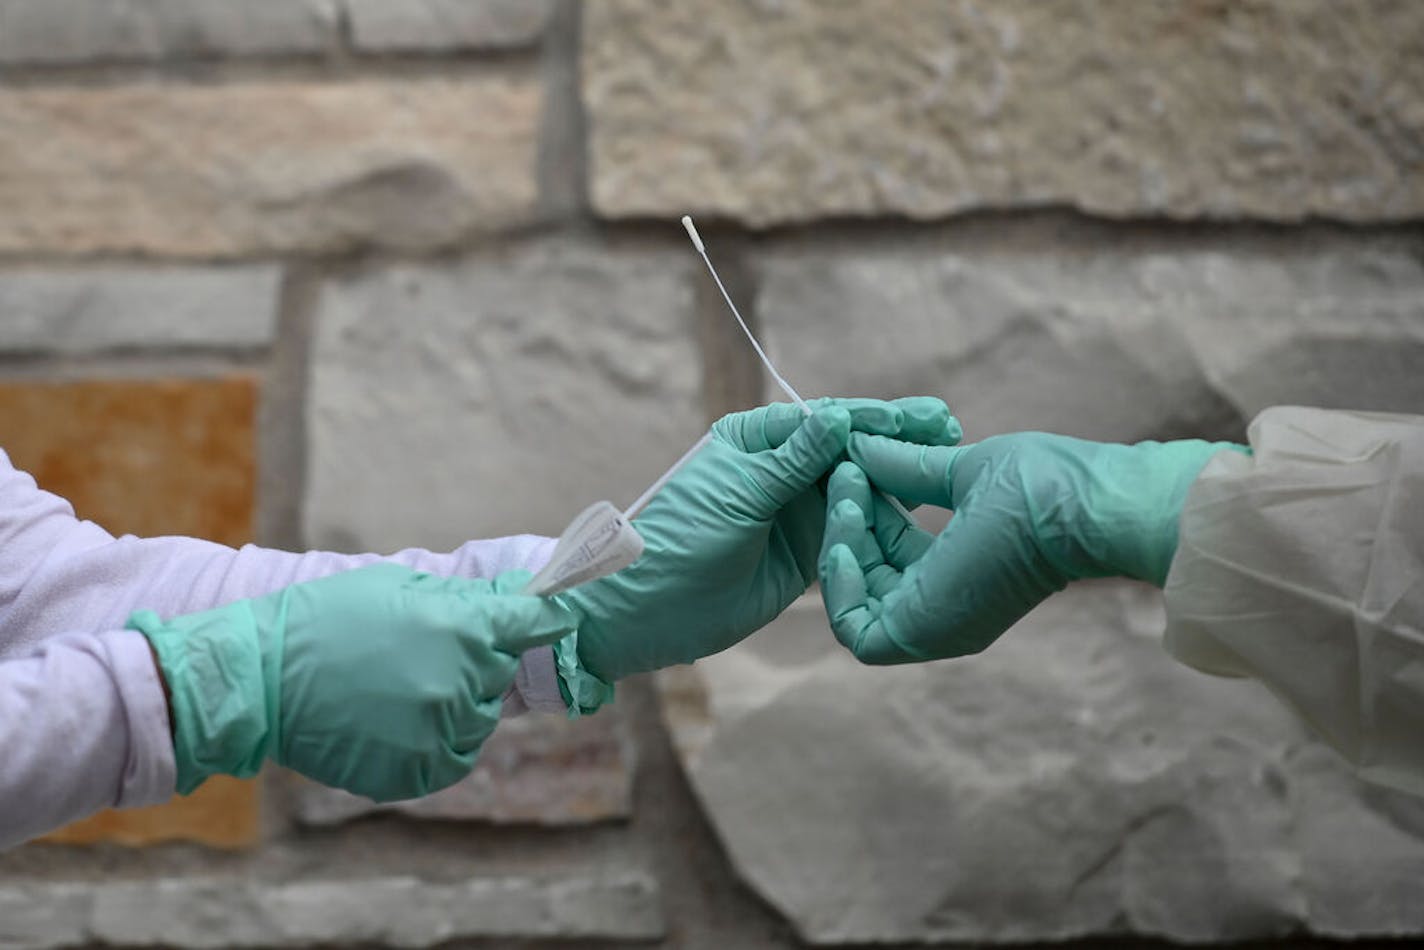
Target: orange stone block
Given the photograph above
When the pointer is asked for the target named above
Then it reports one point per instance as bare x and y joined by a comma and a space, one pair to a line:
148, 458
221, 814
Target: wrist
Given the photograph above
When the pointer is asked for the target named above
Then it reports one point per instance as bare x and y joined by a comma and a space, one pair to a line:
1162, 474
222, 716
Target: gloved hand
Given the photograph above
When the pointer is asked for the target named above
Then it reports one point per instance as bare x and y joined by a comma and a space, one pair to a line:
1032, 511
383, 681
731, 540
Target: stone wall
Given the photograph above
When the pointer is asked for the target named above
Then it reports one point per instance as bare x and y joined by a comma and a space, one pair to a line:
362, 274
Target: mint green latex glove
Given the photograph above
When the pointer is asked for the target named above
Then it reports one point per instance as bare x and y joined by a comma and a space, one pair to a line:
731, 540
382, 681
1033, 511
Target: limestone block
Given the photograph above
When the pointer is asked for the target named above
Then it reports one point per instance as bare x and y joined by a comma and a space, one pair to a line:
143, 457
146, 457
93, 309
439, 25
501, 393
90, 31
1070, 782
533, 770
212, 911
252, 167
1104, 339
773, 112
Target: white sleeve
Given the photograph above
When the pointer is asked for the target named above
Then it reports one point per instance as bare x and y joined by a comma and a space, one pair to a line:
78, 693
1303, 565
83, 726
60, 574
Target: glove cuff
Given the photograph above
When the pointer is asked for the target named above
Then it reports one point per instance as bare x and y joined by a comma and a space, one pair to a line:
223, 695
1169, 468
583, 692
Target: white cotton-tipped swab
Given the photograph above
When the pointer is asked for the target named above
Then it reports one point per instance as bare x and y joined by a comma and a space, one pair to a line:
766, 361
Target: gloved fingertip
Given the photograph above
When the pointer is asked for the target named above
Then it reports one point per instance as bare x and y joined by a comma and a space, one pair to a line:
923, 417
538, 622
845, 521
953, 431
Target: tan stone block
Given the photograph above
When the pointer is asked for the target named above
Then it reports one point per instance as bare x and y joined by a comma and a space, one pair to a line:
788, 111
253, 167
221, 814
141, 457
148, 458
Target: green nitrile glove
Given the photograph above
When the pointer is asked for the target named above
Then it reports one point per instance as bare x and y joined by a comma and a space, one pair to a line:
730, 541
1033, 511
383, 681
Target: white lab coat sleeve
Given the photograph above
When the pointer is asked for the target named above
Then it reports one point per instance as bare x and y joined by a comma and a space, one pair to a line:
1302, 565
83, 726
67, 587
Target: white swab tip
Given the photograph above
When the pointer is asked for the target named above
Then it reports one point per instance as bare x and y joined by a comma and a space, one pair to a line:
692, 232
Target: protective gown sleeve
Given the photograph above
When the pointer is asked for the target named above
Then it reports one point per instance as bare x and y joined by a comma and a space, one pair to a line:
1302, 565
83, 720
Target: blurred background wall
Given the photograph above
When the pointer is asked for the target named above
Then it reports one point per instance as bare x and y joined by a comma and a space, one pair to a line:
363, 274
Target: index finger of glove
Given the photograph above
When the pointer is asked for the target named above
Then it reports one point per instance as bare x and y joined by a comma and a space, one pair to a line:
918, 473
806, 457
759, 430
927, 421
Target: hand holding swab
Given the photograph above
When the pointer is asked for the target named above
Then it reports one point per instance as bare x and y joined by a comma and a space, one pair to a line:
766, 360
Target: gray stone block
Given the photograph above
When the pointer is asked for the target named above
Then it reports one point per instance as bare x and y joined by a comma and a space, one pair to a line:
442, 25
204, 912
534, 770
1098, 338
1070, 782
774, 112
499, 393
93, 31
93, 309
249, 168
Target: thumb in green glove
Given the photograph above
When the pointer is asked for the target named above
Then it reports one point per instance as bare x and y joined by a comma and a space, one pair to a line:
382, 681
1033, 511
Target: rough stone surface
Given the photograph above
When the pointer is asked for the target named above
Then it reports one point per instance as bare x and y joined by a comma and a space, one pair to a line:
785, 111
439, 25
1072, 781
144, 457
147, 458
84, 31
244, 168
204, 911
533, 770
96, 309
497, 394
1102, 337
